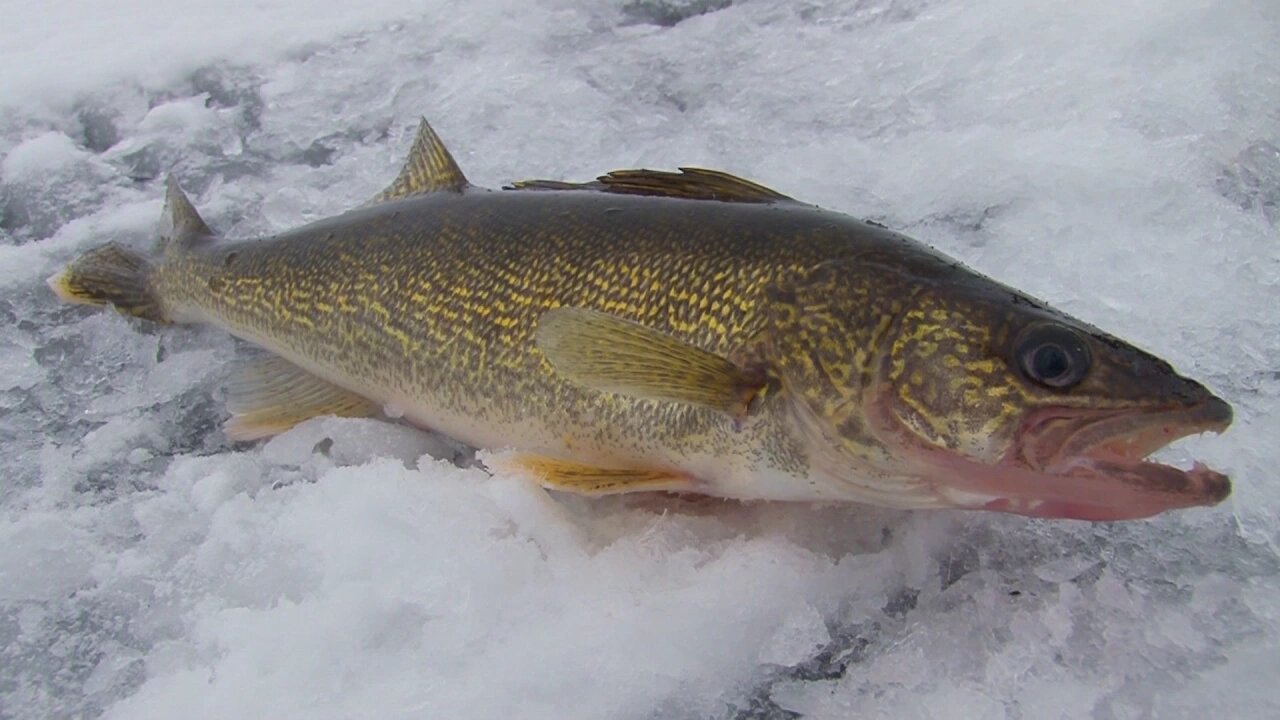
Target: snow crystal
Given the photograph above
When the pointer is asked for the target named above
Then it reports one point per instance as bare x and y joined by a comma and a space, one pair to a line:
1118, 160
45, 153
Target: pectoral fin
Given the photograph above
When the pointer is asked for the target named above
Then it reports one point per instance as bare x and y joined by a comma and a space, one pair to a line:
270, 395
607, 353
590, 480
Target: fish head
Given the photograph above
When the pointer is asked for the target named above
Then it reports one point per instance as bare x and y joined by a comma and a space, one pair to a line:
950, 389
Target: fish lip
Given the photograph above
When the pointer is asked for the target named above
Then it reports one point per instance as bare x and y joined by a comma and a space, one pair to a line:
1056, 436
1103, 479
1104, 451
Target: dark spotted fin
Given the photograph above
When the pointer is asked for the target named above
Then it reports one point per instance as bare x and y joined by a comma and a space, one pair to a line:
182, 225
269, 395
608, 353
690, 184
429, 168
110, 275
590, 480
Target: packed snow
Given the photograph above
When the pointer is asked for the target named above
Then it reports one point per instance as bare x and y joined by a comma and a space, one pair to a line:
1120, 160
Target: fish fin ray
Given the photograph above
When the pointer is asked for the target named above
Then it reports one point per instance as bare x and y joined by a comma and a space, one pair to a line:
181, 223
580, 479
607, 353
110, 275
429, 168
689, 183
269, 395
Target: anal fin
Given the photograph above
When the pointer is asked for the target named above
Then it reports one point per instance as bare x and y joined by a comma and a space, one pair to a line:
581, 479
270, 395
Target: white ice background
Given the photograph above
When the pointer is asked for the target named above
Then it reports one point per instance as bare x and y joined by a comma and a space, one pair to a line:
1117, 159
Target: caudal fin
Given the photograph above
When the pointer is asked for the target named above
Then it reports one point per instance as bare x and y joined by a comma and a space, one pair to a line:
110, 275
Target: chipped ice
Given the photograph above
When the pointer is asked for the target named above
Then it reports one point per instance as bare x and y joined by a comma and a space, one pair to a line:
1118, 160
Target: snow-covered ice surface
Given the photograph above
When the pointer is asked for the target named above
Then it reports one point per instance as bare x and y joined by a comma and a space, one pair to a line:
1118, 159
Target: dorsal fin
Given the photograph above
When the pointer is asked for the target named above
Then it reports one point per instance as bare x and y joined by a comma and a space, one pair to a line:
429, 168
183, 222
690, 183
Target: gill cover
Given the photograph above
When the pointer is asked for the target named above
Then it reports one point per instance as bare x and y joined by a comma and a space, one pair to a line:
829, 329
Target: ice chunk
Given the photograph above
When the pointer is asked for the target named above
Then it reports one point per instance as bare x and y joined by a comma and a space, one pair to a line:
21, 369
800, 635
35, 159
1250, 180
36, 179
670, 12
41, 557
1119, 164
353, 441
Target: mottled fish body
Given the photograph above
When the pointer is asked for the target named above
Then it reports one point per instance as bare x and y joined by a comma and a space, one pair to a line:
688, 332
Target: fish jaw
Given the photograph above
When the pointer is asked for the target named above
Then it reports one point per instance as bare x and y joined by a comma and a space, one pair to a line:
1082, 465
1108, 449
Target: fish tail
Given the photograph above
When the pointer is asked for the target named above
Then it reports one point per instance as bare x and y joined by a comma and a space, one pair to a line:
111, 275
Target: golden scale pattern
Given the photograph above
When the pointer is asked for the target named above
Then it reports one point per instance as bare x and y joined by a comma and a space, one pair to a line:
438, 296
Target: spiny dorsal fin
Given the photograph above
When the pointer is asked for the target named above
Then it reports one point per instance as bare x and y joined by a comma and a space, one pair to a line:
183, 222
690, 183
429, 168
269, 395
610, 354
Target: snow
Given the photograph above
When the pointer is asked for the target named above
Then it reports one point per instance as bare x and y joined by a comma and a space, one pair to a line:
46, 153
1119, 160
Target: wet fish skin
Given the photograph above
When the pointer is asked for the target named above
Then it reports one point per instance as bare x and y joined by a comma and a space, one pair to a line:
871, 367
434, 300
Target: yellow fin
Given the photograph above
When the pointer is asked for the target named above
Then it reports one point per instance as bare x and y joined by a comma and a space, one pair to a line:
270, 395
429, 168
608, 353
591, 480
690, 184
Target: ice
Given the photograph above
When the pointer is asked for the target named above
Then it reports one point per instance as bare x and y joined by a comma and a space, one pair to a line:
800, 635
668, 14
1118, 160
45, 153
43, 558
35, 178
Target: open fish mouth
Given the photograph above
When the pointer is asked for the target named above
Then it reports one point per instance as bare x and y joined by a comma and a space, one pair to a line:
1090, 464
1077, 464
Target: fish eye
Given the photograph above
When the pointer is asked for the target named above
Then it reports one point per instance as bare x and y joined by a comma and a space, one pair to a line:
1052, 355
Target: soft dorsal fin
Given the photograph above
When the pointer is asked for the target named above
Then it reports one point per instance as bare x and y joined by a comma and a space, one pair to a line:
429, 168
180, 216
690, 183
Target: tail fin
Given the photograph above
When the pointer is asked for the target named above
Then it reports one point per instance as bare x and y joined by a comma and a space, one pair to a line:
110, 275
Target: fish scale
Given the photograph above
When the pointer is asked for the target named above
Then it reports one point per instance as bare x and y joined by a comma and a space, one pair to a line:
683, 331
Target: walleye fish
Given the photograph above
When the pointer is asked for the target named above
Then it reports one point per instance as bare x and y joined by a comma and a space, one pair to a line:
687, 332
